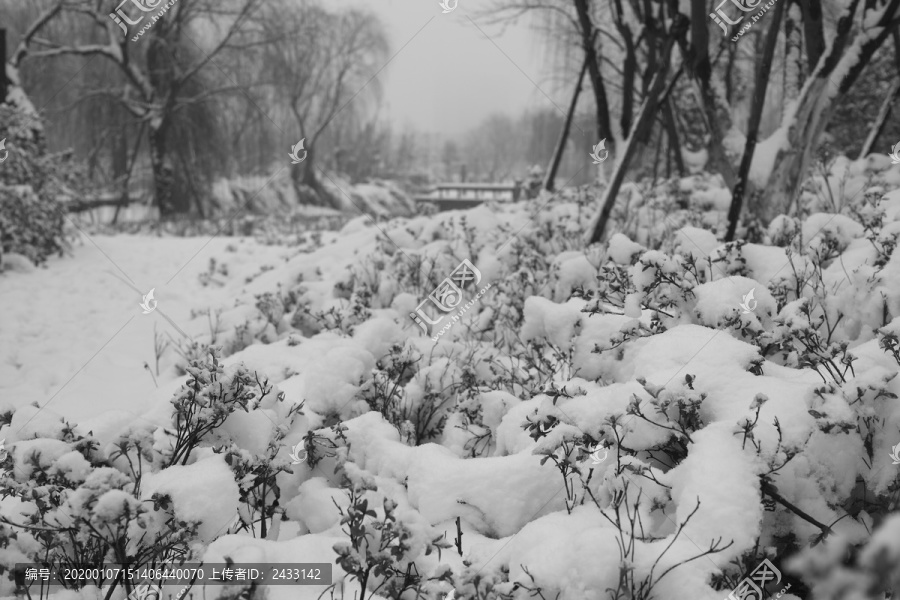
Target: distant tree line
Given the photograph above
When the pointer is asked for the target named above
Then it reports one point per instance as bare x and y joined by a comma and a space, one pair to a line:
224, 88
212, 88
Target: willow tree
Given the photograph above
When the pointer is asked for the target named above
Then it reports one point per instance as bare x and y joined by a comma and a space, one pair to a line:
319, 65
164, 79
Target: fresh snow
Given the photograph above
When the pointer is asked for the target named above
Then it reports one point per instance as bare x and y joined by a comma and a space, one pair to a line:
668, 365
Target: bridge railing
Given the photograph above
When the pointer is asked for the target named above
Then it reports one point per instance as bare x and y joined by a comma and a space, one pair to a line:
448, 195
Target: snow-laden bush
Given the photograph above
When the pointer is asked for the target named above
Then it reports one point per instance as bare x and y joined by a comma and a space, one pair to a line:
267, 194
32, 185
129, 502
381, 548
76, 508
769, 416
650, 418
29, 225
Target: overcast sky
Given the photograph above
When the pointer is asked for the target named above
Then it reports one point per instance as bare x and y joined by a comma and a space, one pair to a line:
449, 76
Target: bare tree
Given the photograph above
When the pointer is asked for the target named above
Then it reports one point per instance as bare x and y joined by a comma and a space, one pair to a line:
855, 39
759, 100
316, 65
656, 91
884, 111
858, 33
549, 180
160, 73
589, 38
570, 23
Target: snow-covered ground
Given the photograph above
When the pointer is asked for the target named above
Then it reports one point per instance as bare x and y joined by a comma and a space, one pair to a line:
715, 380
73, 335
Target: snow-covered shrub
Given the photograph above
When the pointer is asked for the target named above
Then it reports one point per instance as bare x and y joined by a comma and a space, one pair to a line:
29, 225
649, 212
381, 551
275, 305
345, 318
76, 508
209, 397
215, 268
33, 185
844, 570
268, 194
190, 351
384, 392
257, 480
319, 447
646, 419
81, 501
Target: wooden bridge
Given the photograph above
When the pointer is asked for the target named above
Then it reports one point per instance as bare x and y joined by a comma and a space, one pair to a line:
454, 196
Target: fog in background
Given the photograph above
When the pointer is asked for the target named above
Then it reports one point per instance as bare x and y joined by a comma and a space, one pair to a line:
449, 76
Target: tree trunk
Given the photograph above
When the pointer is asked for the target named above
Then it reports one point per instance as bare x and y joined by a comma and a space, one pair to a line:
700, 67
188, 177
163, 175
718, 158
304, 175
4, 85
645, 116
672, 133
728, 75
308, 170
816, 104
659, 145
629, 67
895, 35
120, 167
604, 130
759, 101
564, 134
884, 113
793, 41
793, 161
813, 28
877, 127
